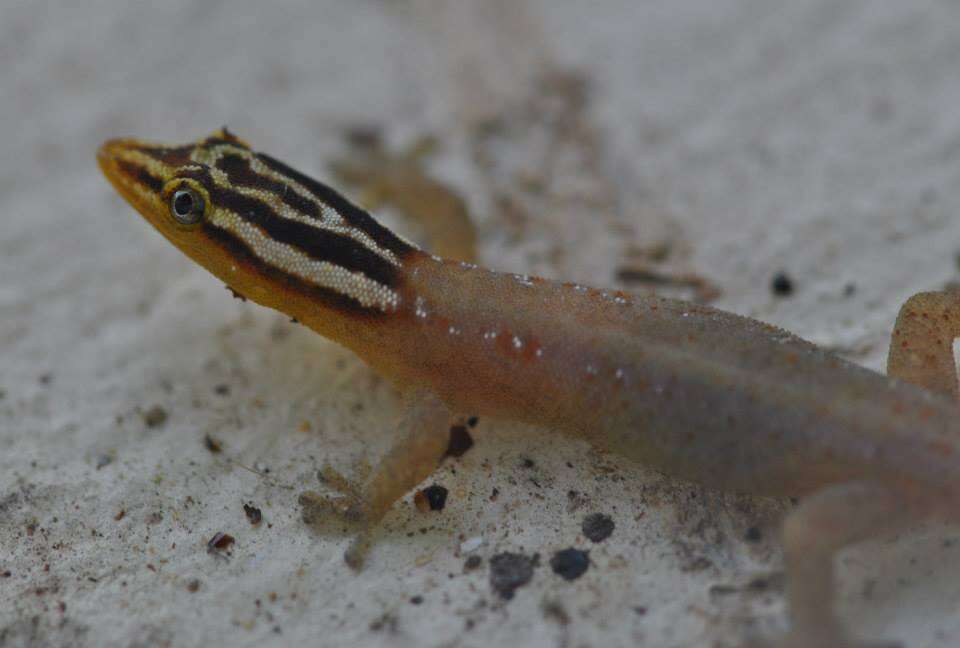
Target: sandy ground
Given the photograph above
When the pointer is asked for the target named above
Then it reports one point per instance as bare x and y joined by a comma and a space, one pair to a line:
726, 139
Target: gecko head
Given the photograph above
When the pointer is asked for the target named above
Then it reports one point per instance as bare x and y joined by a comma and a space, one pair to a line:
268, 231
169, 185
180, 190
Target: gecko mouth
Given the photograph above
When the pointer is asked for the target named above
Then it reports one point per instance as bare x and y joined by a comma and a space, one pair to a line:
128, 175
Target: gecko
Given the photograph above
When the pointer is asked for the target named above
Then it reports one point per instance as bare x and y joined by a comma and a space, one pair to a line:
704, 395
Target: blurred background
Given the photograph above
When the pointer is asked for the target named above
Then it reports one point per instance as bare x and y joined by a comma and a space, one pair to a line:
793, 160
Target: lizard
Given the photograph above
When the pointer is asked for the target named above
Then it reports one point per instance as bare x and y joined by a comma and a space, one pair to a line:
705, 395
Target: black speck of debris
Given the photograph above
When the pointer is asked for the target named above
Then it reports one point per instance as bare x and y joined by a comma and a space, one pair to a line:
472, 421
211, 444
720, 590
753, 534
155, 416
103, 461
7, 574
253, 514
758, 585
436, 497
597, 527
850, 289
494, 494
460, 441
45, 379
472, 563
508, 571
782, 284
222, 389
640, 610
235, 294
416, 600
697, 565
220, 542
555, 611
527, 463
570, 564
364, 136
386, 622
294, 320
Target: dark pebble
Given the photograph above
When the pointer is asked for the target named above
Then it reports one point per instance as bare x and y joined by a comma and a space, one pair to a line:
253, 514
460, 441
508, 571
598, 527
570, 564
436, 497
782, 285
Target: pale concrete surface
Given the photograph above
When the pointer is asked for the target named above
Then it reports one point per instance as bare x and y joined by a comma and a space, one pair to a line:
817, 136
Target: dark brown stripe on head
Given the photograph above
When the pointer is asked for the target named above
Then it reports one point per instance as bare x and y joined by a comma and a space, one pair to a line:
236, 248
171, 155
198, 172
141, 175
351, 213
315, 242
237, 168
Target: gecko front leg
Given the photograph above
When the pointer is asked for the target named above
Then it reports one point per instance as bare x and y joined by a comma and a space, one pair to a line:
423, 437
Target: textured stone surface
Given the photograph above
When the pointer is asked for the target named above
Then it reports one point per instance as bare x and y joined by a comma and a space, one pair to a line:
815, 137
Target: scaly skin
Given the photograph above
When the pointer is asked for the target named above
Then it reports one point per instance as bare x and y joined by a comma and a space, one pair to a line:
688, 390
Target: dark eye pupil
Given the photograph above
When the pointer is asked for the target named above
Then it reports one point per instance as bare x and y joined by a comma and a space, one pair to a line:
183, 203
186, 206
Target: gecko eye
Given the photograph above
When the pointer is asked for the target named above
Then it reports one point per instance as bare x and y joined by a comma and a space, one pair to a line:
186, 206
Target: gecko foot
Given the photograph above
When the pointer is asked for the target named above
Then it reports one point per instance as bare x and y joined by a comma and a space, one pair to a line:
349, 506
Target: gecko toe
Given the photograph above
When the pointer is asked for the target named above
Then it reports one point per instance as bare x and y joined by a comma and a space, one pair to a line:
316, 507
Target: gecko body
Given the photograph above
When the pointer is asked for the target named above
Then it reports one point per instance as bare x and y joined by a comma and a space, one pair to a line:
688, 390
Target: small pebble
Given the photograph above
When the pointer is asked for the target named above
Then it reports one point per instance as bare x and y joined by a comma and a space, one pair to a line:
155, 416
782, 284
471, 544
253, 514
432, 498
570, 564
598, 527
460, 441
211, 444
508, 571
219, 542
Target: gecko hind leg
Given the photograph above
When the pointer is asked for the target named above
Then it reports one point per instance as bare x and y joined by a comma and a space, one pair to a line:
921, 347
422, 443
823, 524
399, 179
